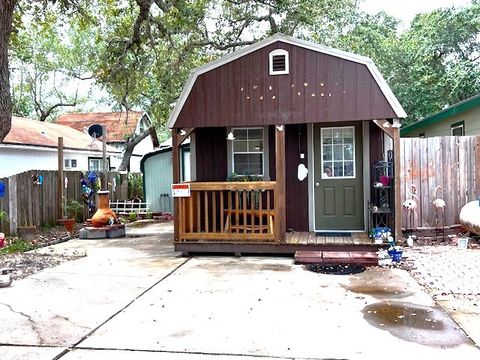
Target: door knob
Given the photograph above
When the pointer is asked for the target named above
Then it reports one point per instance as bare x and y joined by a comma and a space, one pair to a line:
317, 184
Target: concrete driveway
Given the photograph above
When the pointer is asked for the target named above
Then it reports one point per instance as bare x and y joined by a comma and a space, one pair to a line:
135, 298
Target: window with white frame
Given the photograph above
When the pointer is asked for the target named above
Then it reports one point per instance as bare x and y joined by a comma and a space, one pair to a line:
458, 129
278, 62
338, 152
247, 151
70, 163
96, 164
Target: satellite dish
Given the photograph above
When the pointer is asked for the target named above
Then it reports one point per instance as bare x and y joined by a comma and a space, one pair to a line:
95, 131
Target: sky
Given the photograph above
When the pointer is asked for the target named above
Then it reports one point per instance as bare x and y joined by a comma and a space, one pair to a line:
405, 10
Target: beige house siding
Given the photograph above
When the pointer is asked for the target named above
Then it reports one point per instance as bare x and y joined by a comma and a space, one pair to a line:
471, 119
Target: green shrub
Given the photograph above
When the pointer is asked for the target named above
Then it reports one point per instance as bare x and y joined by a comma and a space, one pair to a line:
18, 245
149, 215
74, 210
135, 186
133, 216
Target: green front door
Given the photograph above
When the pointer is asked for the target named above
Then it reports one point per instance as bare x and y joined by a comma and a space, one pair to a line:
338, 176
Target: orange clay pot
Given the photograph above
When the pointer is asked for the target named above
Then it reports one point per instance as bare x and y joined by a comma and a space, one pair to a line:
104, 213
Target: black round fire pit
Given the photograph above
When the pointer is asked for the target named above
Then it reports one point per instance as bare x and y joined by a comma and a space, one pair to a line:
341, 269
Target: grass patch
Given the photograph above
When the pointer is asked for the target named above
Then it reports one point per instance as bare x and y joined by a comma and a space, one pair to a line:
16, 246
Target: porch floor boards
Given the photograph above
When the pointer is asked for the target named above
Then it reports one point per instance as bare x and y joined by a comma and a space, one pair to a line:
295, 241
309, 238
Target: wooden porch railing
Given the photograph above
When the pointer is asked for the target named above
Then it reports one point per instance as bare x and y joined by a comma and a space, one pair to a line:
228, 211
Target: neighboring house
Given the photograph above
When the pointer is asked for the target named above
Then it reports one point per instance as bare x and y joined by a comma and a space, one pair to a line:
460, 119
157, 173
273, 110
120, 126
33, 145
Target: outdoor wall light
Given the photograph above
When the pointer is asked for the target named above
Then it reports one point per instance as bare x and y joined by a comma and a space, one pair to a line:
396, 123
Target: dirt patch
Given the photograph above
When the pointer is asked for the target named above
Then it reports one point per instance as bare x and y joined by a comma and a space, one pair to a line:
26, 264
420, 324
218, 266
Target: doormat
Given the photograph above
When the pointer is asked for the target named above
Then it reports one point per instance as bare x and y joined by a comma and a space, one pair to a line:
345, 269
331, 233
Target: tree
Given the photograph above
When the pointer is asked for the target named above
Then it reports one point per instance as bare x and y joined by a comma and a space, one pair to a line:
432, 64
133, 141
6, 17
146, 52
12, 11
49, 60
440, 62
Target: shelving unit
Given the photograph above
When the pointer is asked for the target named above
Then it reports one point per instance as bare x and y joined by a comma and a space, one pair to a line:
381, 204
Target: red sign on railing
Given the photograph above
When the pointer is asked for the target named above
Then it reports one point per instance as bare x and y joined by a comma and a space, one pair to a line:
180, 190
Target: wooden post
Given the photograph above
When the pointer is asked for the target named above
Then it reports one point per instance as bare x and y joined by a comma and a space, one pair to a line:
176, 180
280, 201
477, 166
60, 181
104, 156
397, 191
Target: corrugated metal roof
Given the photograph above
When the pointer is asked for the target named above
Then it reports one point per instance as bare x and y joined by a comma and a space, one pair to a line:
37, 133
120, 125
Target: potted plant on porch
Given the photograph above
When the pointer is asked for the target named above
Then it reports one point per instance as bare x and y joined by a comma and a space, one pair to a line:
73, 209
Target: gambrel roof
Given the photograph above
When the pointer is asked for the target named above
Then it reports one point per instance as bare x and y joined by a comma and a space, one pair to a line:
388, 98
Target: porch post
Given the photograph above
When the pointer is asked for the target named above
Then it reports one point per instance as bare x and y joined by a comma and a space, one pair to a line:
176, 180
396, 169
280, 201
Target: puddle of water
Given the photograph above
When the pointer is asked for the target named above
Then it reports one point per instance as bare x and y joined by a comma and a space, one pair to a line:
421, 324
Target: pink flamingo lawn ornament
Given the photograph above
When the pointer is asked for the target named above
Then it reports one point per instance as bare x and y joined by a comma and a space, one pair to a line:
410, 204
439, 205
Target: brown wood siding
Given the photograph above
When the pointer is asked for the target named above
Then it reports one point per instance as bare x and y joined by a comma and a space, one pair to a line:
319, 88
211, 154
296, 191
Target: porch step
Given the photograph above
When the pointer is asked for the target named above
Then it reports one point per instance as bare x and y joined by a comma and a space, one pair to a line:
366, 258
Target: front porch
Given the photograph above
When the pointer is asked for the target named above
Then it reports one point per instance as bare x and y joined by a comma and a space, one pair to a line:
241, 217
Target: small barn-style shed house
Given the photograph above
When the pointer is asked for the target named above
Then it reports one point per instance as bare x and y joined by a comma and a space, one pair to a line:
306, 120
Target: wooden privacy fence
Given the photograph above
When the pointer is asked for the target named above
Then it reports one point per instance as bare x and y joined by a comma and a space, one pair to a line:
27, 203
452, 162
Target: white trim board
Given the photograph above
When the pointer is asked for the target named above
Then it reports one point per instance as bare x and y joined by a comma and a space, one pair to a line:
387, 92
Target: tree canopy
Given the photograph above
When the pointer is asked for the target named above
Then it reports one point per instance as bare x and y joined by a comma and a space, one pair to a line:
140, 52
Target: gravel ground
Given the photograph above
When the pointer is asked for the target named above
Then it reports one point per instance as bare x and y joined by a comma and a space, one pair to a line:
24, 264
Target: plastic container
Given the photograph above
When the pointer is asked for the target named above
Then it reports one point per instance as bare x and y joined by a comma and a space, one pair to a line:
396, 255
462, 243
